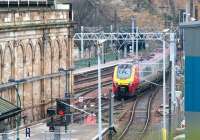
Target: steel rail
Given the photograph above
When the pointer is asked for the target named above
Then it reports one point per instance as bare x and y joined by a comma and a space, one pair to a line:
90, 88
130, 121
93, 78
133, 112
149, 111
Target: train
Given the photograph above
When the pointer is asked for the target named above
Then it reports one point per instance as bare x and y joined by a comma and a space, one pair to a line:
131, 77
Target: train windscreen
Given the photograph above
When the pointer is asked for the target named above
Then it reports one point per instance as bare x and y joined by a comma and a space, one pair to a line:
124, 71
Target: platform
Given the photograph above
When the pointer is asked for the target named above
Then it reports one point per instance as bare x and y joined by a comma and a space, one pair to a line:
41, 132
107, 64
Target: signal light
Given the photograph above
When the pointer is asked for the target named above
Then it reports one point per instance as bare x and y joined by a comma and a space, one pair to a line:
61, 113
60, 108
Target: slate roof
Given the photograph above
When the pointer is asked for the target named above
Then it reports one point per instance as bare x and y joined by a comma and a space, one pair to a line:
7, 109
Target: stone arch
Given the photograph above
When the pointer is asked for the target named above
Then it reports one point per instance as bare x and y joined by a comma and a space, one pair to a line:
63, 53
56, 65
29, 60
63, 59
37, 57
58, 41
48, 57
56, 56
28, 90
67, 51
7, 63
37, 65
19, 60
1, 63
68, 43
7, 66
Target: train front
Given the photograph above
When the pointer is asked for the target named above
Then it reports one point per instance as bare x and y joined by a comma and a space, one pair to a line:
125, 80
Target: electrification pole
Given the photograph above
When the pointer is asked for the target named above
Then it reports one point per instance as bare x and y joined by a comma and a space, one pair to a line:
164, 132
125, 51
137, 43
82, 45
133, 30
102, 52
111, 127
173, 73
99, 92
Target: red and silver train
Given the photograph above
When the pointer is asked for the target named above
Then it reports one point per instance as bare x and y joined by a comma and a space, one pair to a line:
129, 77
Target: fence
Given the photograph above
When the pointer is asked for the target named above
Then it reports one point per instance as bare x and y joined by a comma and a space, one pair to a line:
82, 63
93, 61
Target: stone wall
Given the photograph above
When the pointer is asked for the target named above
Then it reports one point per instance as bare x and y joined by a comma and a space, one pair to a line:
33, 45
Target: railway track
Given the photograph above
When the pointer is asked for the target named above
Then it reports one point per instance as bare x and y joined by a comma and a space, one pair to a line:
139, 117
88, 82
105, 107
92, 75
88, 89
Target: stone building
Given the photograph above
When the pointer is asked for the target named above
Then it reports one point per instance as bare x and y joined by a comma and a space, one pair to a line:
34, 44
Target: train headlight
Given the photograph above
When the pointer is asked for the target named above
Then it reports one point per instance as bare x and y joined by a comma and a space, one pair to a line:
116, 85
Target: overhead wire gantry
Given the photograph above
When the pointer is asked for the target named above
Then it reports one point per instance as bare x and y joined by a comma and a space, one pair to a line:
119, 36
101, 37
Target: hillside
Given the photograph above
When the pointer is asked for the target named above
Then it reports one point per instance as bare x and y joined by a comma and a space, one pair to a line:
153, 14
149, 13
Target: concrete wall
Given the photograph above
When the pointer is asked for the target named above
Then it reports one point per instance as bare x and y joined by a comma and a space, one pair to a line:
33, 45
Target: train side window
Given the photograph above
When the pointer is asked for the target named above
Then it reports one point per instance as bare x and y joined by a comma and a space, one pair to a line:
147, 71
160, 63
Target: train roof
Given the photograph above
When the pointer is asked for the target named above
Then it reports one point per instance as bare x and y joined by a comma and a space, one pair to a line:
126, 63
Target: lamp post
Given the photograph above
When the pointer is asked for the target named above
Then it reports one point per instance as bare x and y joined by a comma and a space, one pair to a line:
18, 103
67, 95
65, 71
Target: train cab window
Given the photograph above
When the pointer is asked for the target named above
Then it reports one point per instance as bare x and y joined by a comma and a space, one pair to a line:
124, 71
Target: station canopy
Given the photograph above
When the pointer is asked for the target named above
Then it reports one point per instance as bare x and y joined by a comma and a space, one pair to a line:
7, 109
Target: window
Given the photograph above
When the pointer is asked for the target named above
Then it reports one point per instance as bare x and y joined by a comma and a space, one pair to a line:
124, 71
147, 71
